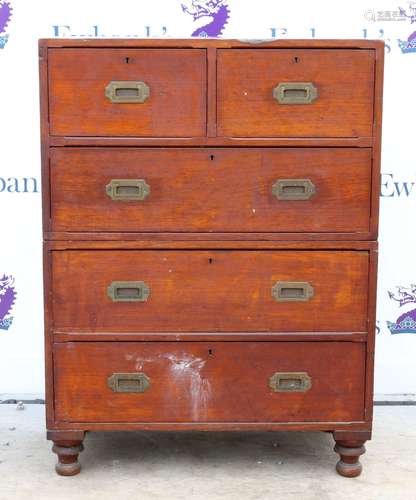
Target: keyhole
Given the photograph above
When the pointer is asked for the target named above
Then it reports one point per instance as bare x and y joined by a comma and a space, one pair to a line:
296, 59
127, 59
210, 260
212, 157
210, 352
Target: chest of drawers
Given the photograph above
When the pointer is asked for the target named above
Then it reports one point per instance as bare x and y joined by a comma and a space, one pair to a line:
210, 212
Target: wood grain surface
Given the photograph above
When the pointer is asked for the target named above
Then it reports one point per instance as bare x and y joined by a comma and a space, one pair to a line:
344, 79
176, 106
211, 190
209, 381
209, 291
204, 43
210, 240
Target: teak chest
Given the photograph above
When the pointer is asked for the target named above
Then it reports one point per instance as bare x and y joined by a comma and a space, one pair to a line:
210, 214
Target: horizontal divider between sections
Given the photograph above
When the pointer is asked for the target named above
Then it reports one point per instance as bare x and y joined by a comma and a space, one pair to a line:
359, 425
236, 235
208, 142
203, 249
62, 337
200, 245
204, 42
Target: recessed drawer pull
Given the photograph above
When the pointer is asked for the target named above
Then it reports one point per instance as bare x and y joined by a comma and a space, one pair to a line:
127, 92
128, 291
290, 382
128, 382
295, 93
127, 189
292, 291
293, 189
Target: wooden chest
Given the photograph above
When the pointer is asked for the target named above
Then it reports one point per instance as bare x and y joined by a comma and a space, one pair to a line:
210, 212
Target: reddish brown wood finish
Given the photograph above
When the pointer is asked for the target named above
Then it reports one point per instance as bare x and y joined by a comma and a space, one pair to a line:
212, 426
176, 106
67, 444
343, 108
209, 382
355, 142
203, 43
357, 127
218, 240
209, 291
211, 190
189, 241
378, 111
349, 452
203, 336
211, 93
67, 452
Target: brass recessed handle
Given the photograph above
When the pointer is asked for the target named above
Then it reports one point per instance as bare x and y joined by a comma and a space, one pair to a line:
293, 189
127, 189
128, 382
290, 382
295, 93
128, 291
120, 92
292, 291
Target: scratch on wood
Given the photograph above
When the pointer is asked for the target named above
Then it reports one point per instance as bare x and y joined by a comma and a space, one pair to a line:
183, 368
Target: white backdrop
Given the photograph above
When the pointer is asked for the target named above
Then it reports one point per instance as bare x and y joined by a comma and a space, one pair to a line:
21, 316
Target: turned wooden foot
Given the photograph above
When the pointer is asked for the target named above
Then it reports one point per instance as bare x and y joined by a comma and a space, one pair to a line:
349, 464
67, 452
67, 445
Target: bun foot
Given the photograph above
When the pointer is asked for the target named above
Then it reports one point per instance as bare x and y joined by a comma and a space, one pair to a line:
67, 452
349, 464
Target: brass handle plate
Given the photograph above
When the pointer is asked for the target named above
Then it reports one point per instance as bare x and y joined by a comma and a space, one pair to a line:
295, 93
128, 291
292, 291
128, 382
293, 189
290, 382
120, 92
127, 189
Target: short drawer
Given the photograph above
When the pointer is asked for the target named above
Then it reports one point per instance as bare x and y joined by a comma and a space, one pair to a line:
205, 190
209, 291
127, 92
295, 92
209, 382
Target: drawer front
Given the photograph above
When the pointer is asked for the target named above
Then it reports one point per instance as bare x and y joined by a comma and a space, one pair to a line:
209, 291
127, 92
209, 382
295, 93
258, 190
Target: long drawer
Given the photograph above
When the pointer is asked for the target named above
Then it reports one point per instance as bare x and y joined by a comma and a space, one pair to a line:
209, 291
223, 190
209, 381
295, 93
